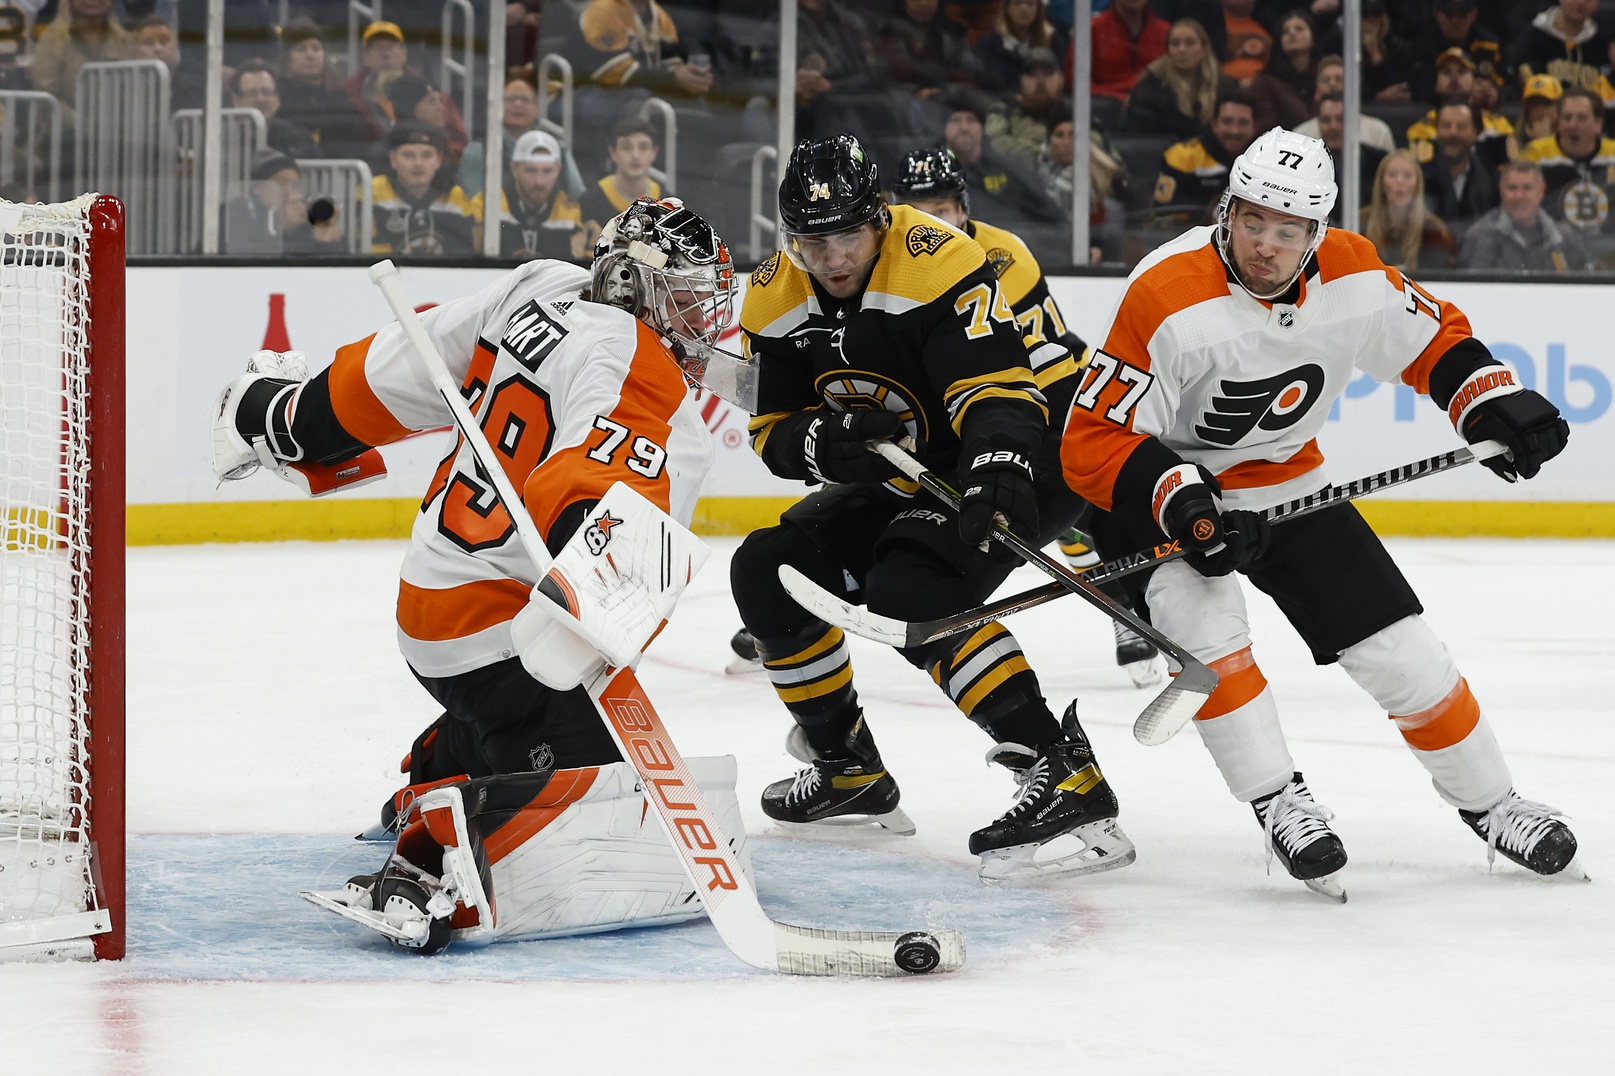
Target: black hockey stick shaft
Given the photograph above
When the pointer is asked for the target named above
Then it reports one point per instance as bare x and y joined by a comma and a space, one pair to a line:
1179, 702
930, 631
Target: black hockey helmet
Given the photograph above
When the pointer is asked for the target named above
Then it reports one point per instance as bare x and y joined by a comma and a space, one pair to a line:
931, 173
830, 185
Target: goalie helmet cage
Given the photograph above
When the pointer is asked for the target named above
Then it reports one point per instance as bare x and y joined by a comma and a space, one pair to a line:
62, 571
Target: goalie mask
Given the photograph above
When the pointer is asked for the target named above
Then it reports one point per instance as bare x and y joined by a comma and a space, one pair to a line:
667, 267
1291, 174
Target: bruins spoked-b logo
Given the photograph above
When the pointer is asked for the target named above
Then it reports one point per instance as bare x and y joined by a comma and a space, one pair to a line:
1271, 403
924, 239
847, 390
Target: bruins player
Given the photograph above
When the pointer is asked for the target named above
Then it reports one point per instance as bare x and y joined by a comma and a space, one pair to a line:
931, 182
877, 322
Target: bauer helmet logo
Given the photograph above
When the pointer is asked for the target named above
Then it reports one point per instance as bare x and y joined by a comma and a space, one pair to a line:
598, 536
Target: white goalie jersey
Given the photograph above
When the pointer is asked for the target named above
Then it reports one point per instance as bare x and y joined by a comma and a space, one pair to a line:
573, 396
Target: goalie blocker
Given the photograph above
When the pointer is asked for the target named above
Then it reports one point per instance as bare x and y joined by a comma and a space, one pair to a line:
535, 855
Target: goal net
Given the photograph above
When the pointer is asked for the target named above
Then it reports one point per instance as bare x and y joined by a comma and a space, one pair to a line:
61, 570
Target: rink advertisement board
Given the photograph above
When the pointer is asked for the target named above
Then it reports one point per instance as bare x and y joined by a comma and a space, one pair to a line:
191, 329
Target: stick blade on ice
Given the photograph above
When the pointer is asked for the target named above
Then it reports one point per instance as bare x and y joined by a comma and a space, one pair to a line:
806, 951
1176, 706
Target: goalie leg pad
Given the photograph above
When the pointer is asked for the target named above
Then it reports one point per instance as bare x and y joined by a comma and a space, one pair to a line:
586, 855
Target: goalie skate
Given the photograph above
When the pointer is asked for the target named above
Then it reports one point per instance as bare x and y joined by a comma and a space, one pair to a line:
1062, 823
850, 795
407, 916
1296, 829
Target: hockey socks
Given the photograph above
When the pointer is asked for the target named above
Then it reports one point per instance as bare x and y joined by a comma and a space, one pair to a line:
989, 680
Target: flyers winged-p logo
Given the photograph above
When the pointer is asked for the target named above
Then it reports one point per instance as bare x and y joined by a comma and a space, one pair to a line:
598, 536
1271, 403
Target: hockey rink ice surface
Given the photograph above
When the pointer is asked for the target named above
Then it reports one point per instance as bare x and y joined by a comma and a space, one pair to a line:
268, 707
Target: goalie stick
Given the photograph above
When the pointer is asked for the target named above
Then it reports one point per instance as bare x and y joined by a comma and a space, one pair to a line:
1178, 702
692, 830
902, 633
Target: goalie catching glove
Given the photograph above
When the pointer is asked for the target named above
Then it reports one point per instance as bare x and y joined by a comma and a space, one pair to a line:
1492, 406
608, 592
1188, 509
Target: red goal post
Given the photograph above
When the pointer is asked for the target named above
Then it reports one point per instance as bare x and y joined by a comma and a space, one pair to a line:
62, 573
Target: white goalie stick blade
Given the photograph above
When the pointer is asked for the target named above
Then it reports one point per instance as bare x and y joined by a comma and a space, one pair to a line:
710, 862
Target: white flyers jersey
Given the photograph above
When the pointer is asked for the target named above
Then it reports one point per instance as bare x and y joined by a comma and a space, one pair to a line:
1239, 385
572, 395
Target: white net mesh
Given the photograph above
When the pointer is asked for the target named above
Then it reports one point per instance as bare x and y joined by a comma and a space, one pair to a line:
44, 532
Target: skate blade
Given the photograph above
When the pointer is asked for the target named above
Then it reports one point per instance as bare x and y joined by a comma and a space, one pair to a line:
1572, 871
1327, 886
1091, 849
893, 823
1151, 672
377, 832
739, 666
407, 932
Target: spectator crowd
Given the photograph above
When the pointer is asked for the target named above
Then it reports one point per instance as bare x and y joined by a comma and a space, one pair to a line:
1484, 135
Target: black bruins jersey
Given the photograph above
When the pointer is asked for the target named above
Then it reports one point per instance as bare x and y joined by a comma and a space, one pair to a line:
1035, 312
931, 337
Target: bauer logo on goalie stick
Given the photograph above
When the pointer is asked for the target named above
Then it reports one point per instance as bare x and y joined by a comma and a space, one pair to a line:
598, 536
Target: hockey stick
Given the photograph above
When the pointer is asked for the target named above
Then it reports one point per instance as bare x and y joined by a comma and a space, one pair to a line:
902, 633
692, 829
1178, 702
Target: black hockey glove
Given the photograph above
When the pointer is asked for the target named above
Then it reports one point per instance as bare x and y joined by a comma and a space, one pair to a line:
1217, 542
1527, 423
997, 485
833, 444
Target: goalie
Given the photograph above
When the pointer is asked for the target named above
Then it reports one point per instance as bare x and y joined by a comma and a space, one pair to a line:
520, 818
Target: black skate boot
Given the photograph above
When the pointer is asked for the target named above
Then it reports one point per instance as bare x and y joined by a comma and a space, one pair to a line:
746, 659
849, 789
1526, 832
1136, 655
1064, 819
1297, 830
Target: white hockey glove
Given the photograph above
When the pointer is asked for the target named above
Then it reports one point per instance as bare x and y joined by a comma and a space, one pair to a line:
268, 442
608, 592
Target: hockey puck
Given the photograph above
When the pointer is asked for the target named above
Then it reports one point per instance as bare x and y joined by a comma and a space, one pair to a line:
917, 952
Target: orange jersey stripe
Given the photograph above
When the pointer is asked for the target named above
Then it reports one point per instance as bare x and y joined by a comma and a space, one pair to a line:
1253, 474
1444, 724
438, 615
1239, 680
651, 393
1094, 446
355, 402
1353, 253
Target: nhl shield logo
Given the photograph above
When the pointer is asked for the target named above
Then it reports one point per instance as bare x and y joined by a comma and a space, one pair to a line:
1286, 318
924, 239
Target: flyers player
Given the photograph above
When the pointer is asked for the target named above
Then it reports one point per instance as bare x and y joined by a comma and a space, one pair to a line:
1227, 350
879, 322
513, 790
930, 180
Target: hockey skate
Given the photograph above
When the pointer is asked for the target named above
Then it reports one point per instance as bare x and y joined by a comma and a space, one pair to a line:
1529, 834
1297, 830
746, 659
1063, 821
1138, 657
839, 795
409, 904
